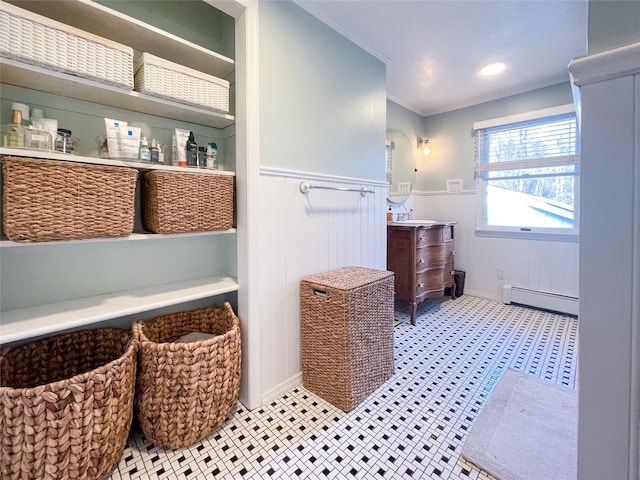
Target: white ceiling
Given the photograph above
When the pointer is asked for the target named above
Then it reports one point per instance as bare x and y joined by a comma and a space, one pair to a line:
434, 49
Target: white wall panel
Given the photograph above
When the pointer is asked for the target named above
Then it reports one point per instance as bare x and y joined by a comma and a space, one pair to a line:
304, 234
547, 266
609, 335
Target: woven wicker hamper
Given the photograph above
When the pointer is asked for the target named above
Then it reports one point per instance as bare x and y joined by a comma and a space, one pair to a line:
67, 405
347, 333
186, 390
182, 202
46, 200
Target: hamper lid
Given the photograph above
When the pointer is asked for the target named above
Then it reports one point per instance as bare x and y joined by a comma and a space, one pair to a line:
347, 278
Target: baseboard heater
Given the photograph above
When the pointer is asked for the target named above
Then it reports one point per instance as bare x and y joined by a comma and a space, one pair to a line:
533, 298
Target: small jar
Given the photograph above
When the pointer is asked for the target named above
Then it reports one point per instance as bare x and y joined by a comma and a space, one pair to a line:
65, 143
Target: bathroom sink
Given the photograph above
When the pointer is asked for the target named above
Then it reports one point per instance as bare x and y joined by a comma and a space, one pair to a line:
415, 222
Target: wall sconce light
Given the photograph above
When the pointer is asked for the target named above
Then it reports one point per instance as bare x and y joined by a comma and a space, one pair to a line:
424, 147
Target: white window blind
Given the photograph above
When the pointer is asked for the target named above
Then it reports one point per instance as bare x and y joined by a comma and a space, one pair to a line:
527, 170
529, 144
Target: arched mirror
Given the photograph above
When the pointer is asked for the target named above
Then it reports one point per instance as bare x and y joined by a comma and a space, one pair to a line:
401, 166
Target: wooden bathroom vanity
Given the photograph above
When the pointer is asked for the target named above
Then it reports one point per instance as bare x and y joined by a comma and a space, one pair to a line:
420, 254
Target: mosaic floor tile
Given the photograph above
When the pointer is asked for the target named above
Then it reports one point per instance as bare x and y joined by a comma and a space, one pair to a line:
413, 426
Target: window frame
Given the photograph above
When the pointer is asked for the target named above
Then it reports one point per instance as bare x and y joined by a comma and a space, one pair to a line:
523, 231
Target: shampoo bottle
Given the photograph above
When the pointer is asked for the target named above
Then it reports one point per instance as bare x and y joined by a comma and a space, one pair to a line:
212, 156
389, 215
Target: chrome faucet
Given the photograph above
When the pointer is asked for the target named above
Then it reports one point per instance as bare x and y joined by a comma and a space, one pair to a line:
404, 215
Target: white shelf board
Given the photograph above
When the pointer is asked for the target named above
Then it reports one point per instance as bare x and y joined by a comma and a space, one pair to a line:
30, 322
8, 244
37, 78
51, 155
118, 27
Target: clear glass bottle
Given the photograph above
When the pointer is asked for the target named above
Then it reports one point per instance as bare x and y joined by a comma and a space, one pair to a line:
202, 157
65, 142
39, 138
13, 134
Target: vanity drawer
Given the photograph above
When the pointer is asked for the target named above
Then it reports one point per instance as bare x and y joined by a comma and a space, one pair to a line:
449, 253
432, 255
428, 236
429, 280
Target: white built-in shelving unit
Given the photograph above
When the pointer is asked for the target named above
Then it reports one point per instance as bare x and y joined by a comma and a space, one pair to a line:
44, 154
17, 324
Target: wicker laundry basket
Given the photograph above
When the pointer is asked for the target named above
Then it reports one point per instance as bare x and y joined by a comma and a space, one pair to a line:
347, 333
186, 390
46, 200
182, 202
67, 405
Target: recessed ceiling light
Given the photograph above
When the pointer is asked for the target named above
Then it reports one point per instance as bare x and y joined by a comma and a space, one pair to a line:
493, 68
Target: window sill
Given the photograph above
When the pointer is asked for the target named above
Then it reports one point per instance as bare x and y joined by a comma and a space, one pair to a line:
544, 236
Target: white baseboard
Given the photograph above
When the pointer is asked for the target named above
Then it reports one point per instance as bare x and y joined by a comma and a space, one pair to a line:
533, 298
473, 293
281, 389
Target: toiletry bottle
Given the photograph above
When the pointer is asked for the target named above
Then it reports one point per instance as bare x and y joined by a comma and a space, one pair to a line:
202, 157
154, 154
37, 137
174, 152
145, 155
65, 142
389, 215
212, 156
36, 115
161, 150
192, 151
14, 133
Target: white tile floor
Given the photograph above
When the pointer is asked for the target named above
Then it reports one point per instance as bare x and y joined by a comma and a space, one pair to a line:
413, 426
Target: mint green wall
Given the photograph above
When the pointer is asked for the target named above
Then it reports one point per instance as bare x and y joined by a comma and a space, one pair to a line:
612, 24
405, 120
191, 20
452, 141
322, 98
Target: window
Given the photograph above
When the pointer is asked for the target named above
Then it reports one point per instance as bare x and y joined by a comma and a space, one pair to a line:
527, 170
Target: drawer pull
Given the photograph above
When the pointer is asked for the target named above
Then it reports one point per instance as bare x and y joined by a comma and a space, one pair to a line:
422, 238
422, 260
421, 285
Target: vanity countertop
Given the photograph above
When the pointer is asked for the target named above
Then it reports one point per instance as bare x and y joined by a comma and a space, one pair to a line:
421, 223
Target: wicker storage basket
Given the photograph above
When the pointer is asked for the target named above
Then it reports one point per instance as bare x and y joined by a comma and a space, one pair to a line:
67, 405
45, 200
181, 202
161, 78
40, 41
347, 333
186, 390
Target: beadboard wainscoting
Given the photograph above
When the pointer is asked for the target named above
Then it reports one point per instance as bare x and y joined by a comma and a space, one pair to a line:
302, 234
538, 265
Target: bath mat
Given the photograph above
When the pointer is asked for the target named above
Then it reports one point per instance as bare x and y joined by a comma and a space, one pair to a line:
527, 430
